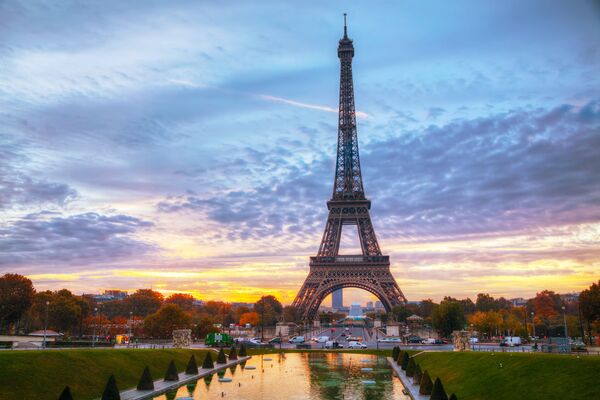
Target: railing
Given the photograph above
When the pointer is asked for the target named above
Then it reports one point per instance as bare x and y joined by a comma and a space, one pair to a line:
350, 259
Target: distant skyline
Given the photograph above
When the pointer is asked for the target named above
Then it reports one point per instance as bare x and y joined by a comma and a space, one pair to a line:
189, 146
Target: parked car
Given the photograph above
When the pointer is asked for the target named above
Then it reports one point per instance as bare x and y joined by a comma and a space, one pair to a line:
322, 339
414, 339
510, 341
473, 340
297, 339
356, 345
275, 340
314, 339
428, 341
330, 344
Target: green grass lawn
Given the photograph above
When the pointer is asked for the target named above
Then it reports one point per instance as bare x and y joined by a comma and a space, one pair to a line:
471, 375
44, 374
480, 376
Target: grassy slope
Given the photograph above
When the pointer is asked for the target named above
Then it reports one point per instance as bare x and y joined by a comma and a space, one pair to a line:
44, 374
478, 375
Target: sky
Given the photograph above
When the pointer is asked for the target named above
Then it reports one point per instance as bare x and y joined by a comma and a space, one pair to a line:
189, 146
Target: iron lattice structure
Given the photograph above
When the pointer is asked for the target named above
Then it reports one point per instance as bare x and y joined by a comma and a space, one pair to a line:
330, 271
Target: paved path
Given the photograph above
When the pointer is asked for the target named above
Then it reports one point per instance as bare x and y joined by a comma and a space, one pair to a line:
413, 390
160, 386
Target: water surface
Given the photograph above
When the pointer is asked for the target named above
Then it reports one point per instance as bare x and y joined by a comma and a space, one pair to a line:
313, 376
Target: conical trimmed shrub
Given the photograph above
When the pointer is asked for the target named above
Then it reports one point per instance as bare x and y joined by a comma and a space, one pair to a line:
453, 397
146, 382
426, 384
417, 375
410, 368
208, 361
438, 392
405, 359
66, 394
243, 352
221, 357
399, 358
192, 367
395, 352
171, 374
232, 353
111, 391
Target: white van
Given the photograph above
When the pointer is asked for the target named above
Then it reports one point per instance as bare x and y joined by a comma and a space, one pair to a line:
330, 344
297, 339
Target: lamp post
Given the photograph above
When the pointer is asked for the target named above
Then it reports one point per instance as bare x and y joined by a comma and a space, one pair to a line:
377, 338
94, 328
130, 326
533, 324
46, 323
565, 320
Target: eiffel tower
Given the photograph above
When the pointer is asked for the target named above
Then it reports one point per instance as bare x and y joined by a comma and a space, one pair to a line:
330, 271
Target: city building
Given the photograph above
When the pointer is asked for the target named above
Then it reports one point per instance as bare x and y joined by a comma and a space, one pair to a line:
355, 310
337, 299
369, 304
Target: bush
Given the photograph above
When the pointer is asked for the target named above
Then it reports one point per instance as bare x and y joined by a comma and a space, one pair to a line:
171, 374
426, 384
232, 353
453, 397
208, 361
192, 367
221, 357
417, 375
111, 391
395, 352
146, 382
243, 352
410, 368
400, 356
405, 359
438, 392
66, 394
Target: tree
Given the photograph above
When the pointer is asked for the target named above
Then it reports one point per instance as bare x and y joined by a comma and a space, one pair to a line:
233, 353
111, 391
448, 317
221, 357
269, 309
405, 360
143, 302
438, 392
547, 304
485, 303
192, 367
249, 318
426, 384
66, 394
426, 308
208, 361
417, 375
64, 311
410, 368
146, 382
171, 374
589, 307
162, 323
290, 314
16, 297
184, 301
401, 312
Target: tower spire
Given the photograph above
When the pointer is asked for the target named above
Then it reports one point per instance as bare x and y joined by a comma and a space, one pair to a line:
345, 28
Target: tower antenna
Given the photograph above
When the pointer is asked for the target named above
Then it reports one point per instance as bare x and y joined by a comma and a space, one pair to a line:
345, 29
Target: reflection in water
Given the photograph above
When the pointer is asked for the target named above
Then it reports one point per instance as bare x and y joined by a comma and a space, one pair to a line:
314, 376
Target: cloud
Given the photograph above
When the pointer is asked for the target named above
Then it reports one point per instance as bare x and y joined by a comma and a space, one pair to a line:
49, 238
22, 189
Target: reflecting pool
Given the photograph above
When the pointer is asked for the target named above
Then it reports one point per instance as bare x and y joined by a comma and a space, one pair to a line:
315, 376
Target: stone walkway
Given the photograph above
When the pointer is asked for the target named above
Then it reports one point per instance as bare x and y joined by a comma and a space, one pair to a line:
413, 390
160, 386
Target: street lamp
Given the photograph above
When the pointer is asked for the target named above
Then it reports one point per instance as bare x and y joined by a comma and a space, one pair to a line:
130, 326
46, 323
565, 320
533, 324
94, 326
